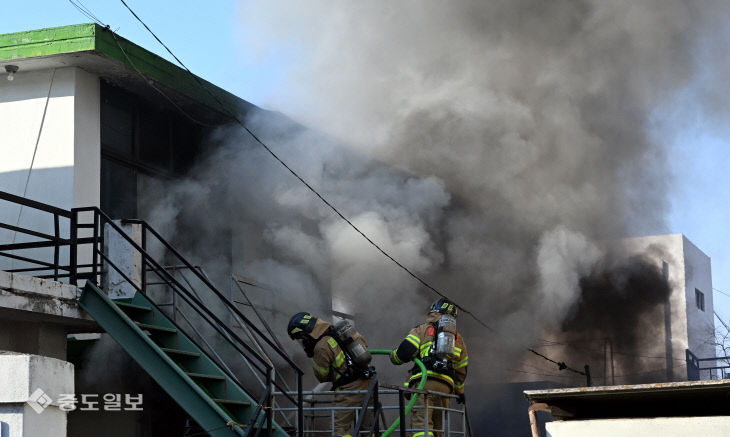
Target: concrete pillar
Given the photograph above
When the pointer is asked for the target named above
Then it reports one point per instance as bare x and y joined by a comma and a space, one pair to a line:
30, 389
126, 258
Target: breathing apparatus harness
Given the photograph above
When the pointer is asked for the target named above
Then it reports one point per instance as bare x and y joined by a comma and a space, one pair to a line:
442, 352
357, 356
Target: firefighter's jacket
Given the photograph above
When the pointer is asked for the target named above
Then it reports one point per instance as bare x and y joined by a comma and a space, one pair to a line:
329, 361
418, 343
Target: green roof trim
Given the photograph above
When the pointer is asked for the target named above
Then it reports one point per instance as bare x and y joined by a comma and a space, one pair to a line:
46, 42
96, 40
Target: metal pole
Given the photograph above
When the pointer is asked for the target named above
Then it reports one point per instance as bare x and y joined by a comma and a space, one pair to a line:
426, 414
56, 246
376, 409
300, 406
270, 401
94, 248
402, 413
448, 420
73, 261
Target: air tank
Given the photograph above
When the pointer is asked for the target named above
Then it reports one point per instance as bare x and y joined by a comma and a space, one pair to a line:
352, 341
446, 337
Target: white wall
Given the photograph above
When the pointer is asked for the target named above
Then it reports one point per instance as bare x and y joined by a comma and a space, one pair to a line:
20, 376
665, 427
66, 168
698, 275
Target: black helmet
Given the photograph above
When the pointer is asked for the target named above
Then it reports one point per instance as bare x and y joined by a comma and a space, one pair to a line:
300, 325
444, 306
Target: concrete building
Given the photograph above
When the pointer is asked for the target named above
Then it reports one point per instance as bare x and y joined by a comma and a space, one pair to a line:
663, 309
93, 120
89, 119
92, 124
689, 312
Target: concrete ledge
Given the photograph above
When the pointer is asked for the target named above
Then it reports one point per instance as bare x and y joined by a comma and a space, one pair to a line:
22, 374
30, 388
33, 299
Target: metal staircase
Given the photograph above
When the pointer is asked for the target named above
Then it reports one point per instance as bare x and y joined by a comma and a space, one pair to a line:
229, 386
226, 387
211, 397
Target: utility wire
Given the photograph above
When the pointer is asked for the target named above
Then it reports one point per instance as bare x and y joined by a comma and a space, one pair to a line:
86, 11
722, 321
721, 292
616, 352
561, 365
238, 121
305, 183
35, 150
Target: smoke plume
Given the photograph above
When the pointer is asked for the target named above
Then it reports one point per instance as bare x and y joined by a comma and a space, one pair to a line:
495, 148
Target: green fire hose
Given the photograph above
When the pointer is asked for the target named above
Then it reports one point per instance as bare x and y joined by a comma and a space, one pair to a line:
409, 407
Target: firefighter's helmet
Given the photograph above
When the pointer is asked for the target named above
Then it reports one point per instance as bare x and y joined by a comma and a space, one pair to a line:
444, 306
300, 325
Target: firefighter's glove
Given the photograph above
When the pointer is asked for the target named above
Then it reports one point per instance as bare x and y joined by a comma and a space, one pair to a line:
460, 399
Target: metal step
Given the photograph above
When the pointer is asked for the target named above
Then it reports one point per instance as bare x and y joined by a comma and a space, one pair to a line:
149, 327
182, 353
205, 376
211, 398
129, 306
232, 402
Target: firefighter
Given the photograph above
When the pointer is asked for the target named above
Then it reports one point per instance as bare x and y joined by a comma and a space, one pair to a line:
342, 361
443, 352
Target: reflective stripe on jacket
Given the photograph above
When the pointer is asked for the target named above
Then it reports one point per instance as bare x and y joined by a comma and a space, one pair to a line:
418, 343
329, 362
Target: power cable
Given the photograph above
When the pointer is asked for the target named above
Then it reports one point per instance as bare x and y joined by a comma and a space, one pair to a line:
35, 149
721, 292
296, 175
238, 121
86, 11
596, 351
561, 365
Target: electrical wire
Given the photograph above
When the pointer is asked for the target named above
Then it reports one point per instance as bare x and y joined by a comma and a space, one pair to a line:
597, 351
301, 179
552, 375
561, 365
238, 121
721, 292
86, 11
35, 149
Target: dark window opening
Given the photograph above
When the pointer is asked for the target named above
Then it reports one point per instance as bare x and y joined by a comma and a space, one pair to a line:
700, 299
119, 189
138, 137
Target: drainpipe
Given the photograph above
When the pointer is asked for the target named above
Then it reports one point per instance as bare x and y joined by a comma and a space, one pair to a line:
533, 417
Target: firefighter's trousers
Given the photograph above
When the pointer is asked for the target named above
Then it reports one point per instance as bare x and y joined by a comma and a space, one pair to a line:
345, 420
435, 416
